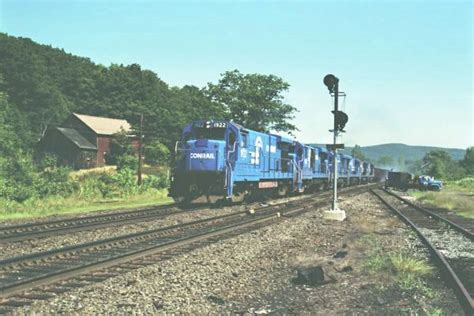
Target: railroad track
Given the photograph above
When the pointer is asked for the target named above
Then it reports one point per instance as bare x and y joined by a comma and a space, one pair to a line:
42, 229
27, 278
439, 235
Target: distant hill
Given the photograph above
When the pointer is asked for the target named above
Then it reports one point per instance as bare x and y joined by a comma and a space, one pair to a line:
407, 152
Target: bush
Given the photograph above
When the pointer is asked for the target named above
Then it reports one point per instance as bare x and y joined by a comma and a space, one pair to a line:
16, 191
466, 183
125, 182
55, 182
127, 162
17, 176
91, 187
49, 161
154, 182
156, 153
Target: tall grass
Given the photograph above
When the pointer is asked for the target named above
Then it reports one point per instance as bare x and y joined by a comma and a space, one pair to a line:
456, 196
37, 207
408, 272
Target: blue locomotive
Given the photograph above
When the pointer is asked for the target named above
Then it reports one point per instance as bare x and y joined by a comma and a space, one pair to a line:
221, 159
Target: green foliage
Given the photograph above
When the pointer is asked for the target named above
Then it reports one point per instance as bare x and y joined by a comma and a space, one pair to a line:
406, 264
357, 153
468, 162
156, 153
10, 121
385, 161
54, 181
439, 164
121, 146
467, 183
92, 187
49, 160
127, 162
45, 85
254, 100
456, 196
18, 176
125, 182
155, 182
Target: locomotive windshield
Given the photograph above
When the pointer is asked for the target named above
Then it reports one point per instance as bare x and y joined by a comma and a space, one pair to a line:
210, 133
209, 130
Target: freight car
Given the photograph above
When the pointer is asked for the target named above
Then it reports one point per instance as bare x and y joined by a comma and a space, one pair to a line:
399, 180
224, 160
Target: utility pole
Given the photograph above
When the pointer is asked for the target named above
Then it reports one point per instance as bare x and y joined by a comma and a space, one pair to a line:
140, 136
340, 119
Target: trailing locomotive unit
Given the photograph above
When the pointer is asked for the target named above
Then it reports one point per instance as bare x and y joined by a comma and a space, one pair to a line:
220, 159
217, 159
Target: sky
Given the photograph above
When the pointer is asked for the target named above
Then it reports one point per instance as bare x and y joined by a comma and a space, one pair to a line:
406, 66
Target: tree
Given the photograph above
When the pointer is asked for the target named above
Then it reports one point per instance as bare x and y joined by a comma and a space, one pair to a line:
254, 100
439, 164
468, 161
8, 140
385, 161
357, 153
156, 153
121, 146
189, 103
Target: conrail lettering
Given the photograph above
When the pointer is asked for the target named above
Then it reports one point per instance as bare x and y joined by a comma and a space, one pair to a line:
202, 156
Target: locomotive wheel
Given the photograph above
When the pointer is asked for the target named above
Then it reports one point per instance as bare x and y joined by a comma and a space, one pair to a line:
239, 197
283, 190
182, 200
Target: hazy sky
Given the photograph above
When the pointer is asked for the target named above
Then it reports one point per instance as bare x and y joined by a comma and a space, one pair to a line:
406, 66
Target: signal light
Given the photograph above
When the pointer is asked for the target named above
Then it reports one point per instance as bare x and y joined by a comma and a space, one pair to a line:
330, 81
341, 119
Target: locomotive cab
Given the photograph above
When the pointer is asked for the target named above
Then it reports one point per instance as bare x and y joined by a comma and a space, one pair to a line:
203, 157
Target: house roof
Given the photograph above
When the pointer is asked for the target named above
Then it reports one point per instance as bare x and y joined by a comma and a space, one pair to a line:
104, 125
76, 138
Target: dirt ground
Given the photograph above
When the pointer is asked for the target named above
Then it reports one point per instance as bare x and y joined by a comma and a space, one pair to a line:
298, 265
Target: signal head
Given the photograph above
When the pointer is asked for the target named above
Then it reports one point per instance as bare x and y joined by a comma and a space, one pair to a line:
330, 81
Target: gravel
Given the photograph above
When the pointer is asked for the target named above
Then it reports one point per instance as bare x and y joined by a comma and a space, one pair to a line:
256, 272
9, 250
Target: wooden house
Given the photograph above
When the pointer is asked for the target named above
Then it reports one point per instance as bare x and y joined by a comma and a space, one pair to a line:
84, 141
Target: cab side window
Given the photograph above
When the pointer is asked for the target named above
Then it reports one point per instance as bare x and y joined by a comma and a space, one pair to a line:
244, 140
231, 139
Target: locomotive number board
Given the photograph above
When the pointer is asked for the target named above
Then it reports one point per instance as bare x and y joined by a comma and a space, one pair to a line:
210, 124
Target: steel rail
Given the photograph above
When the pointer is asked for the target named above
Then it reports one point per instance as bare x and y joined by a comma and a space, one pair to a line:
14, 233
456, 226
450, 275
63, 226
103, 259
15, 288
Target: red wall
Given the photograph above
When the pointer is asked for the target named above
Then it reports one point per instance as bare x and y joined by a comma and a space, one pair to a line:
103, 146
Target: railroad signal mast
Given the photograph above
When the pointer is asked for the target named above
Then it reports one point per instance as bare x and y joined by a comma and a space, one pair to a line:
340, 120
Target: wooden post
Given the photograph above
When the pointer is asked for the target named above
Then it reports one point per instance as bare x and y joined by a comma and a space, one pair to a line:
140, 136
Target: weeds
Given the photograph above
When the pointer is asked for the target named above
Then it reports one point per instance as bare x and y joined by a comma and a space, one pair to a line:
76, 204
457, 196
404, 264
405, 270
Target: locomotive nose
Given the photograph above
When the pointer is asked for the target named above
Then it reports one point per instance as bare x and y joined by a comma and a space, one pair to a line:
205, 155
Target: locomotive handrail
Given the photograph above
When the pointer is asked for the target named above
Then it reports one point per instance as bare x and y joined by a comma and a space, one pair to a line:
228, 169
176, 146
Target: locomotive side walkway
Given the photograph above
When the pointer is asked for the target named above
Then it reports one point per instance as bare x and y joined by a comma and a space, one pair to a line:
263, 271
